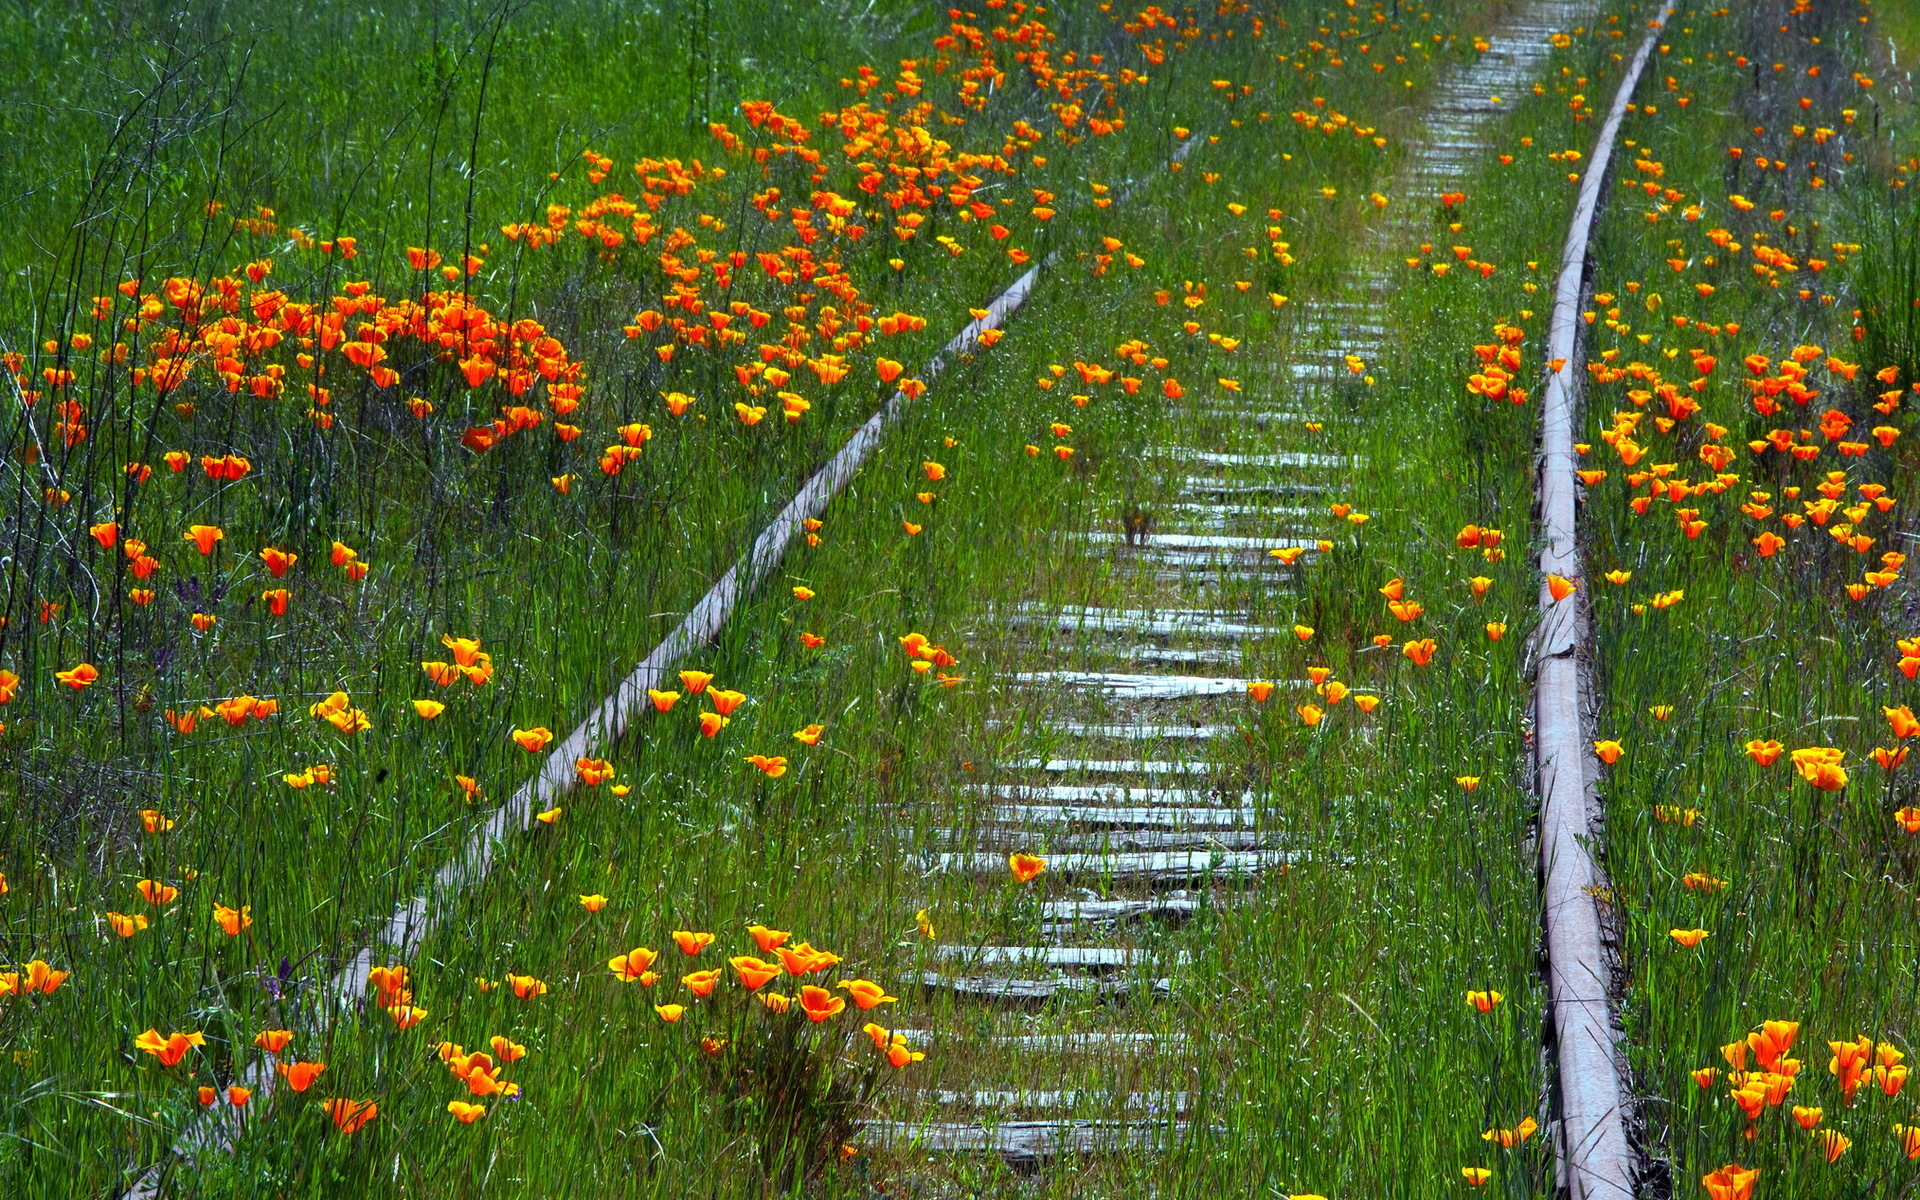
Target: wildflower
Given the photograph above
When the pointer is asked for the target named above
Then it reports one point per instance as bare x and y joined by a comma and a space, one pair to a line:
1467, 782
1608, 751
754, 974
534, 740
670, 1012
810, 736
1806, 1117
775, 1002
923, 924
711, 723
1764, 753
351, 1115
1421, 652
1902, 721
300, 1075
231, 920
632, 965
125, 925
804, 593
803, 959
1484, 1001
1832, 1144
1731, 1182
1688, 937
1509, 1138
526, 987
1820, 767
466, 1113
1260, 689
78, 677
273, 1041
691, 943
768, 940
1026, 866
156, 893
701, 983
866, 994
169, 1049
663, 701
899, 1056
1496, 630
819, 1004
203, 537
695, 681
1560, 587
1475, 1176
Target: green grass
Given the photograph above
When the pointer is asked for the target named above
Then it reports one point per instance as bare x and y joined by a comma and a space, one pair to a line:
1333, 1053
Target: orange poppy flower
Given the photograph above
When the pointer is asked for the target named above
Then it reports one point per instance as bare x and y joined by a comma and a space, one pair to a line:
768, 940
203, 537
632, 965
169, 1049
754, 974
351, 1115
533, 740
78, 677
691, 943
866, 993
526, 987
819, 1004
300, 1075
1026, 866
701, 983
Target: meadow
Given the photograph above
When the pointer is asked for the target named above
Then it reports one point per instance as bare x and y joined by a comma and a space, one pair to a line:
386, 385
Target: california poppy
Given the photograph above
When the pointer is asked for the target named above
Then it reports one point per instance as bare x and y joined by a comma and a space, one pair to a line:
866, 993
170, 1048
203, 537
819, 1004
701, 983
754, 974
233, 921
351, 1115
1026, 866
300, 1075
690, 942
632, 965
533, 740
79, 677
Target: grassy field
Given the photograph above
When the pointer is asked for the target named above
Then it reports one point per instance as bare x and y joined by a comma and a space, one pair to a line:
551, 454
